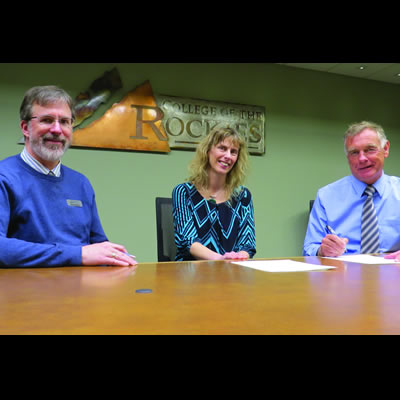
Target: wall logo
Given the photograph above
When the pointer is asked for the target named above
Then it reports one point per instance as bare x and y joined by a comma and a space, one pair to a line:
144, 121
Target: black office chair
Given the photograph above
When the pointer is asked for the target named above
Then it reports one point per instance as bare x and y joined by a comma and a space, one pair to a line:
166, 248
311, 204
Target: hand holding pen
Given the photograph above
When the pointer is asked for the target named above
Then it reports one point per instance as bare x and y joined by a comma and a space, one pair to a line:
332, 245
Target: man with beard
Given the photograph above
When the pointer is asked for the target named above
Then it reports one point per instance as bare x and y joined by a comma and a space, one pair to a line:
48, 212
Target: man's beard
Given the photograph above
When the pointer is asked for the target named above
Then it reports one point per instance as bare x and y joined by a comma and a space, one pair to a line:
47, 151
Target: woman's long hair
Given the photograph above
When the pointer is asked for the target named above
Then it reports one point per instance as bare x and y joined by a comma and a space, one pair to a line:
199, 166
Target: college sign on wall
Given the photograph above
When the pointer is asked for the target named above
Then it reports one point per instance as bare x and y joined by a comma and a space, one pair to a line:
187, 121
147, 122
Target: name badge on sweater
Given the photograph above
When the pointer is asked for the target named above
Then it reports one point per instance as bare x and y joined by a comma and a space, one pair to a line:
74, 203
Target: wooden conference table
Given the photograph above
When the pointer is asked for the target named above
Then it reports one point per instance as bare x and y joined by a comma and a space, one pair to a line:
201, 298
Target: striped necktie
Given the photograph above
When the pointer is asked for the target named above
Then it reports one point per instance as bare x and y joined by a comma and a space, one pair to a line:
369, 224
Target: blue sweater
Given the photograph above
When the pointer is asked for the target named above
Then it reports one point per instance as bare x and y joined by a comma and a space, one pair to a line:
45, 220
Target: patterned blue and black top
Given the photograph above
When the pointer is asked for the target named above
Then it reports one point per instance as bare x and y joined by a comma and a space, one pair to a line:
222, 227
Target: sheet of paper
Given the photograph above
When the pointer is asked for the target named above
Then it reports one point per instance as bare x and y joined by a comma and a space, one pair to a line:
282, 266
365, 259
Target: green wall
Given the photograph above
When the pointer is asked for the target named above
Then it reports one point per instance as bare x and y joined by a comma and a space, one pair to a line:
307, 113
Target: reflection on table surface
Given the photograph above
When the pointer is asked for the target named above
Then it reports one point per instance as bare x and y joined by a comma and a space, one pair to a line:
201, 298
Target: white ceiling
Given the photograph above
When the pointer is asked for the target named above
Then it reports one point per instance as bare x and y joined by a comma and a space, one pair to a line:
384, 72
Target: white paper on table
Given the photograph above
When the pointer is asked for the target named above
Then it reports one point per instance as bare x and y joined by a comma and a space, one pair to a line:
365, 259
282, 266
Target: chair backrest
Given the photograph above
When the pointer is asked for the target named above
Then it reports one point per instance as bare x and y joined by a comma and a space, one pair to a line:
166, 248
311, 204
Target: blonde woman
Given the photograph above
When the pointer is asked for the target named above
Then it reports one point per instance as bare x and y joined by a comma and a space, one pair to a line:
213, 212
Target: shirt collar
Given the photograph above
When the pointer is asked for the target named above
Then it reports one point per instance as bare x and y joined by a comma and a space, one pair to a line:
359, 186
39, 167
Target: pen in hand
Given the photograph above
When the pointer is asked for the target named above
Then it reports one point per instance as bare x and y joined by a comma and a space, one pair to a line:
332, 232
